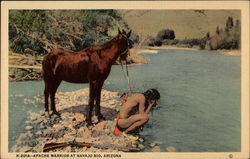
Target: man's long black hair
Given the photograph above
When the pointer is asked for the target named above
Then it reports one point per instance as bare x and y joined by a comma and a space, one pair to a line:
151, 94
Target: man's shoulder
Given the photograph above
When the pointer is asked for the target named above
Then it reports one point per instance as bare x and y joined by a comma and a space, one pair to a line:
139, 96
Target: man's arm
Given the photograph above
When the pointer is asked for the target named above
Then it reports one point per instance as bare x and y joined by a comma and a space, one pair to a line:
149, 107
141, 105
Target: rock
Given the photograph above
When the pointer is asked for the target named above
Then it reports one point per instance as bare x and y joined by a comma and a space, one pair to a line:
25, 149
95, 134
42, 126
32, 143
172, 149
112, 102
94, 119
100, 126
140, 146
68, 138
28, 127
86, 133
80, 139
133, 142
153, 144
134, 146
141, 139
27, 101
57, 127
156, 149
79, 117
38, 121
84, 148
39, 133
59, 134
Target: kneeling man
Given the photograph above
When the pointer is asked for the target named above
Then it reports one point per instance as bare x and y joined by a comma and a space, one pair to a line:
134, 112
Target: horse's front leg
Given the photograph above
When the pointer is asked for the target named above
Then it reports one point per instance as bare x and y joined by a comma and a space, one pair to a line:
92, 89
98, 101
46, 99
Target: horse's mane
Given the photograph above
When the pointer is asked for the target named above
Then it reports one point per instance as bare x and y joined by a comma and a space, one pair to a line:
100, 47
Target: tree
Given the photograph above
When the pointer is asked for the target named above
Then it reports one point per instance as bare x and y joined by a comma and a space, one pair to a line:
217, 30
208, 35
166, 34
40, 30
229, 24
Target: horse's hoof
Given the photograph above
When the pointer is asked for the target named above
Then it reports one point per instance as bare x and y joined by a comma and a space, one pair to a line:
56, 113
77, 126
89, 125
46, 115
101, 118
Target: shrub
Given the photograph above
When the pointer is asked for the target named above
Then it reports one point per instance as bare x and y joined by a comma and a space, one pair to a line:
228, 39
170, 42
166, 34
39, 30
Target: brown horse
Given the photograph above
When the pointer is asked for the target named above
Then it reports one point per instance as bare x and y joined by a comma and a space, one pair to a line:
91, 65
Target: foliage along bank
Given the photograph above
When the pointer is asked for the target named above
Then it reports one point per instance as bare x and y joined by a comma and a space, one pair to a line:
224, 38
35, 31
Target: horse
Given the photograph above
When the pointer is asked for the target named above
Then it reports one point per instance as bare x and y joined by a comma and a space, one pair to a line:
91, 65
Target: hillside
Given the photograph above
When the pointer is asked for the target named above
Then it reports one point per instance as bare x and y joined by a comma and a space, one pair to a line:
185, 23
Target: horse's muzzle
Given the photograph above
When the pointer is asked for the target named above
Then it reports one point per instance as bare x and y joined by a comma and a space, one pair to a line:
124, 55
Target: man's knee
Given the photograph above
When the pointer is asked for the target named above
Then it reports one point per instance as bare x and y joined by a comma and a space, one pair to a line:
145, 117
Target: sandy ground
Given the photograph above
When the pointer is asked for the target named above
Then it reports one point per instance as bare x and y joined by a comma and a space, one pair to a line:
229, 52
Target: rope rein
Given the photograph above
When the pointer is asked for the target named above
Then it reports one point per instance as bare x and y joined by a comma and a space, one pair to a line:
126, 75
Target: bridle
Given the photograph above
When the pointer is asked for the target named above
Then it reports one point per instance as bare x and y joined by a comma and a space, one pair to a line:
127, 49
126, 75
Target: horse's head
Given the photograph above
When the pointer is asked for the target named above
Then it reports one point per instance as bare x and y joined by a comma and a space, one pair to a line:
125, 43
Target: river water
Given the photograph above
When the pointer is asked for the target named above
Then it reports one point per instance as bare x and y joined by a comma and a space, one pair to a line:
199, 109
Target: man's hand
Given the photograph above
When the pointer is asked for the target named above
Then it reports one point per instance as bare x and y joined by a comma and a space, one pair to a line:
152, 103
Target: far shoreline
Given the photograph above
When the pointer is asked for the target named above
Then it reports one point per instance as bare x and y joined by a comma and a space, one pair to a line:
149, 49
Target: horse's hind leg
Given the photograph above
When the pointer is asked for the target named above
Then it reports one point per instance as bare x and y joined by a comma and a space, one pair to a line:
46, 97
53, 87
92, 90
98, 100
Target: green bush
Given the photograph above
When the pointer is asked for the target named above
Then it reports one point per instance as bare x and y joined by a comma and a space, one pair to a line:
40, 30
154, 42
170, 42
165, 34
227, 39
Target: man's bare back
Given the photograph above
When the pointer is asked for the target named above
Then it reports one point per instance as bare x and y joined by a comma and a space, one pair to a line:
136, 100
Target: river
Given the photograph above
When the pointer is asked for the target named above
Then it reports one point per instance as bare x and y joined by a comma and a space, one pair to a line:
199, 109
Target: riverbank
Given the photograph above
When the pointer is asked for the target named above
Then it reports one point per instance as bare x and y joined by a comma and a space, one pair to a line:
40, 130
229, 52
170, 47
174, 47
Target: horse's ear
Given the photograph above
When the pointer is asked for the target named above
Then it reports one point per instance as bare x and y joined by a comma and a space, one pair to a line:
119, 31
129, 33
123, 31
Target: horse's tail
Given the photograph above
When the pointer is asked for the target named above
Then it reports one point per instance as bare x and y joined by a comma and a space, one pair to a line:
49, 64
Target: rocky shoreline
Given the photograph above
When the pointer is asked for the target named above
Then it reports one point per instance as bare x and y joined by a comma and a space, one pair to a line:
71, 126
